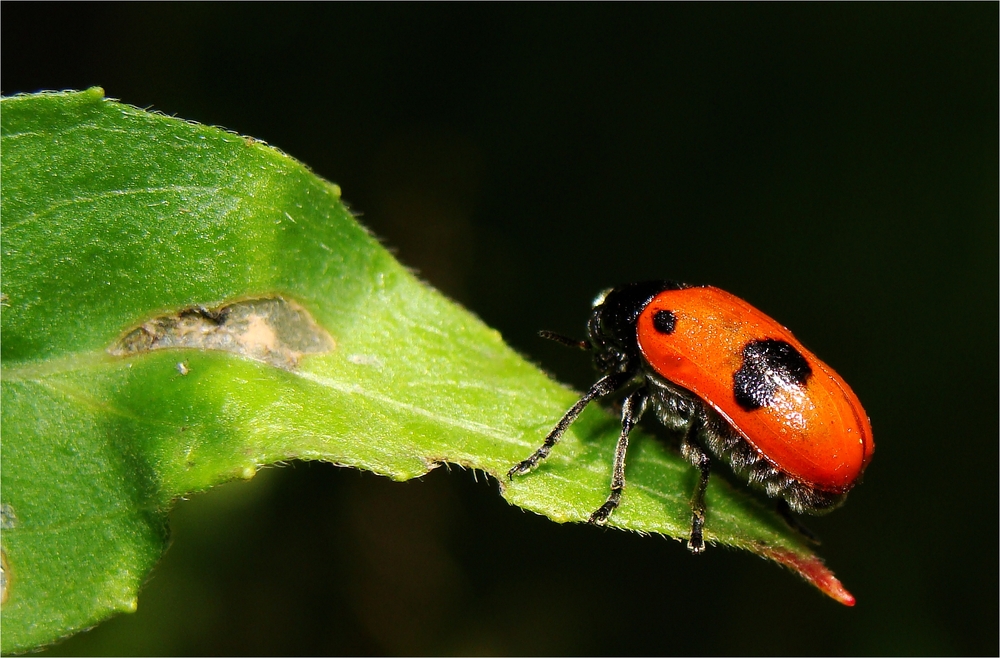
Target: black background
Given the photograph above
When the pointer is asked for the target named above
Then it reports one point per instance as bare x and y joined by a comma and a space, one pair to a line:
836, 165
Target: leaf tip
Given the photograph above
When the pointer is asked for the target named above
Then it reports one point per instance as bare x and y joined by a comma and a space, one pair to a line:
813, 570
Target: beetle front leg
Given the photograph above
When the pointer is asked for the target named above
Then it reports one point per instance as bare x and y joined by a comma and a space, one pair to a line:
632, 408
604, 386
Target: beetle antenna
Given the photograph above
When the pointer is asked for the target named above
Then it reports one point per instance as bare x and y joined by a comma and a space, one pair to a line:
565, 340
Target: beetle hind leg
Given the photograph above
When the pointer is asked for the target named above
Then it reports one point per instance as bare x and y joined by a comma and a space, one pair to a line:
786, 513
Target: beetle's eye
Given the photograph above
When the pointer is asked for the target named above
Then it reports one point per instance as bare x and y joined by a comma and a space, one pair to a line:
601, 296
664, 322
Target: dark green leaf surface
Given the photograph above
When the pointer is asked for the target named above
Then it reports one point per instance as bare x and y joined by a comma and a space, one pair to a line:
112, 217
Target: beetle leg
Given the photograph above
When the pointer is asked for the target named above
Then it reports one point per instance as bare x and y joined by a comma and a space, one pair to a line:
695, 454
604, 386
786, 513
632, 408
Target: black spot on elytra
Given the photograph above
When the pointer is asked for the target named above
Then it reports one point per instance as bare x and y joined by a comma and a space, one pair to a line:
768, 365
664, 322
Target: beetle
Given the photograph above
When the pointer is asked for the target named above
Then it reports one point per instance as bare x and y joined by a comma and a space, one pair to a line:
738, 387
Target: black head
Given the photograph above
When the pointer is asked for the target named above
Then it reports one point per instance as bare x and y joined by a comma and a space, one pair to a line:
611, 329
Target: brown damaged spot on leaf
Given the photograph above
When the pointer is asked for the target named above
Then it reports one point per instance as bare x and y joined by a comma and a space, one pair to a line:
271, 329
8, 521
4, 577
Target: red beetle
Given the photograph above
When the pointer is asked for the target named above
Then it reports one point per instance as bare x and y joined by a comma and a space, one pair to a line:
738, 385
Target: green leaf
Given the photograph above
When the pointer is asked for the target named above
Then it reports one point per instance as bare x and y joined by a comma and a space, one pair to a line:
183, 305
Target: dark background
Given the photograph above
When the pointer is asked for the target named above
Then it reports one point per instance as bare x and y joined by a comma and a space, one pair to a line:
836, 165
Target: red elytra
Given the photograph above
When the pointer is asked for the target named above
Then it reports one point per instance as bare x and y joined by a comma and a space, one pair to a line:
737, 386
818, 433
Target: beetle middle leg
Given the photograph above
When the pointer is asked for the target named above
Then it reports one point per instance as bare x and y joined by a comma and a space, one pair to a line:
698, 457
